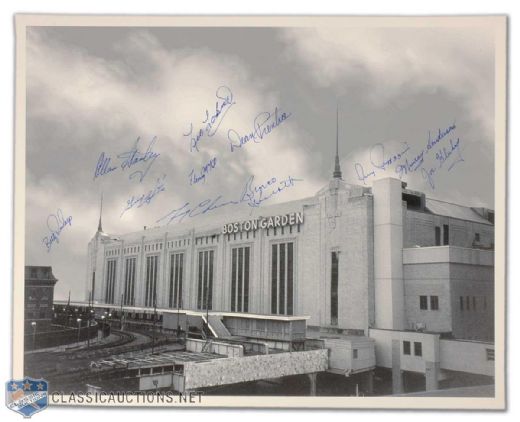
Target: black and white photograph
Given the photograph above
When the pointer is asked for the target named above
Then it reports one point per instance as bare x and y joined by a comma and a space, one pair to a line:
237, 211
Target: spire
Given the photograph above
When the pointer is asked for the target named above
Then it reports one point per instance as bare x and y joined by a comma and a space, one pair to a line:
100, 228
337, 168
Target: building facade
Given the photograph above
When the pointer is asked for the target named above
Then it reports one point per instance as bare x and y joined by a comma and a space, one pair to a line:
351, 258
39, 297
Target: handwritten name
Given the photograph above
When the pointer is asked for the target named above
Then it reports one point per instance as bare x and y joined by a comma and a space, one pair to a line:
131, 160
55, 223
263, 124
380, 160
211, 123
251, 194
145, 198
200, 176
443, 146
441, 157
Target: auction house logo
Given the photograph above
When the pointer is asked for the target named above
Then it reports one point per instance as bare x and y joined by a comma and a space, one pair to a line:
27, 396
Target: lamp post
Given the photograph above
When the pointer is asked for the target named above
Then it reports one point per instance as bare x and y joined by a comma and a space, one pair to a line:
103, 324
33, 325
79, 327
179, 302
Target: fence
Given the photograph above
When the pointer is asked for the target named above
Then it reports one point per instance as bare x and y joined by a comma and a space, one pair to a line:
59, 336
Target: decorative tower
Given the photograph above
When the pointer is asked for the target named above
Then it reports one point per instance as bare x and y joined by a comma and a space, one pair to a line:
337, 169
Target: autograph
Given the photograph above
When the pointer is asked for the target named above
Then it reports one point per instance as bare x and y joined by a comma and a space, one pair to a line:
200, 176
55, 223
263, 124
145, 198
129, 160
253, 195
440, 149
211, 123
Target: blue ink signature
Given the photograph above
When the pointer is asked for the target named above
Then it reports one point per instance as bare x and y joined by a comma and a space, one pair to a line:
134, 156
145, 198
129, 159
55, 223
442, 156
103, 166
252, 195
406, 161
441, 133
410, 166
201, 175
380, 160
263, 124
212, 123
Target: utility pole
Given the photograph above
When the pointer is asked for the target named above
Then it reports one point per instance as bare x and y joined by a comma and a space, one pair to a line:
121, 316
89, 315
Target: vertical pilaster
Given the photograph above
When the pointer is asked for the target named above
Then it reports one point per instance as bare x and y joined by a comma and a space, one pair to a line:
397, 375
388, 254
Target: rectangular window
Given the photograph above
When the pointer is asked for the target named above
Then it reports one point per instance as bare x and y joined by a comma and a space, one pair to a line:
437, 236
417, 348
93, 284
406, 347
354, 353
205, 280
477, 237
434, 303
446, 234
490, 354
110, 281
467, 303
128, 294
423, 302
334, 272
461, 303
282, 278
151, 281
240, 279
176, 276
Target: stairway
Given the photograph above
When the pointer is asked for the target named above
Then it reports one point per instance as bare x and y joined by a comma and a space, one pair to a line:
217, 327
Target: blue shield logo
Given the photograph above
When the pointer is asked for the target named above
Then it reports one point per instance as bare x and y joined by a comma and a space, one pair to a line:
27, 396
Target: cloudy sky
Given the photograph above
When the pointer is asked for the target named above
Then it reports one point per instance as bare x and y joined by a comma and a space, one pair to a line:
93, 92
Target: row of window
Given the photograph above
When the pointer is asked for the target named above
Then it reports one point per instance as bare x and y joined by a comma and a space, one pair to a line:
282, 279
433, 302
407, 348
472, 303
207, 240
446, 235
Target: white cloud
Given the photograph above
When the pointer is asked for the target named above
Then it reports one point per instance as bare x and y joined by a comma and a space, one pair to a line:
86, 104
389, 62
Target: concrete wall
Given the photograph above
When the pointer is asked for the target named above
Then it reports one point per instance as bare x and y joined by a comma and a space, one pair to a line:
388, 258
451, 273
340, 222
341, 356
428, 280
225, 349
251, 368
420, 230
467, 356
475, 283
383, 346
